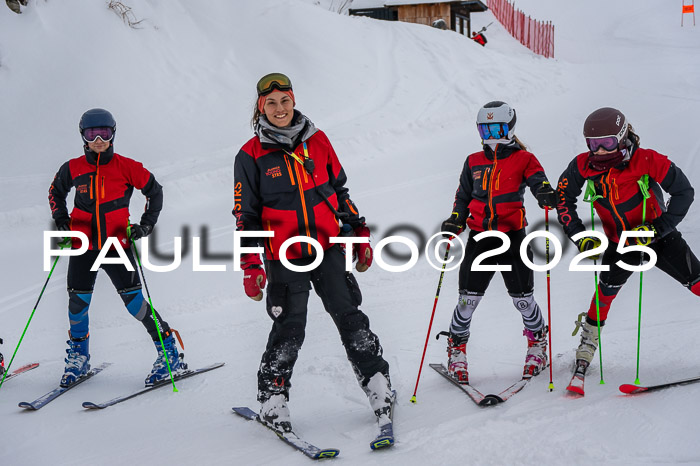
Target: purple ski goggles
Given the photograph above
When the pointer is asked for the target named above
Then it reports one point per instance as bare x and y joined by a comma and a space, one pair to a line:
609, 143
91, 134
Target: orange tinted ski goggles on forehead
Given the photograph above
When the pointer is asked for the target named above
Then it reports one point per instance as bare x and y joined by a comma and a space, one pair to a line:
272, 81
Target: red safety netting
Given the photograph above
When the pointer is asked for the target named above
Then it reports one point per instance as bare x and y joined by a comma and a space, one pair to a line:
538, 36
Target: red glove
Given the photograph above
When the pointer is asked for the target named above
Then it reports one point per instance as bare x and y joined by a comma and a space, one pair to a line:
364, 250
254, 277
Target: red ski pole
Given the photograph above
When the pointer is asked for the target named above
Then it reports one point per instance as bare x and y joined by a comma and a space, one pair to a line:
549, 298
432, 315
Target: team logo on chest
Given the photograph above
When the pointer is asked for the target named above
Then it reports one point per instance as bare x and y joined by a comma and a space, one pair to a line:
274, 172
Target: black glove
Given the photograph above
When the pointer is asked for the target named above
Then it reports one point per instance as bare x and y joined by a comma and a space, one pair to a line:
546, 196
63, 225
452, 225
588, 243
140, 231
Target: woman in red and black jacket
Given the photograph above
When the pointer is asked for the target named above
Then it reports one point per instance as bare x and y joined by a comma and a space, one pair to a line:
490, 197
288, 180
104, 182
614, 166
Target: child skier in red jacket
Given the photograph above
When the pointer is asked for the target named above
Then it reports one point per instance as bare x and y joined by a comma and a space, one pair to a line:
490, 197
103, 182
614, 167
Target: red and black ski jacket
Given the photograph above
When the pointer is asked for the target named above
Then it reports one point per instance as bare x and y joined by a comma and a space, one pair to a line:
620, 205
103, 186
273, 192
492, 187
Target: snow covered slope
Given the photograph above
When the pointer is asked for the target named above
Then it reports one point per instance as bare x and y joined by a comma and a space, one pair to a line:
399, 103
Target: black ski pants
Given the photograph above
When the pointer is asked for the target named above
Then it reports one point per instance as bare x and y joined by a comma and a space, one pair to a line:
519, 281
81, 283
287, 298
673, 256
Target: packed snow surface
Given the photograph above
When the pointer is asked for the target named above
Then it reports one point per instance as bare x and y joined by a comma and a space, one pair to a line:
399, 102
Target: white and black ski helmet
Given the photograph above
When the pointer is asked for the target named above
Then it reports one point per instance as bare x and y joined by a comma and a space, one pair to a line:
497, 112
607, 121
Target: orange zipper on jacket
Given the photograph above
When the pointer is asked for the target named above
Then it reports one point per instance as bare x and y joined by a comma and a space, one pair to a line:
289, 169
303, 206
269, 240
493, 173
97, 203
612, 202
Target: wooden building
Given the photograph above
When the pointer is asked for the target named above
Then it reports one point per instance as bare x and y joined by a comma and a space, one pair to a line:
456, 14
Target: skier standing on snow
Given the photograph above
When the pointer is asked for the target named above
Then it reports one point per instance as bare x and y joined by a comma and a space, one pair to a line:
288, 180
490, 197
615, 165
103, 182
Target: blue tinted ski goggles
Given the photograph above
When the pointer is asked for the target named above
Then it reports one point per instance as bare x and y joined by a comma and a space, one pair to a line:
493, 130
91, 134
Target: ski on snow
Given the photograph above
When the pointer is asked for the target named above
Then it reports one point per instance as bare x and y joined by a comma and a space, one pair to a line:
386, 431
576, 384
21, 370
183, 375
55, 393
476, 396
634, 389
290, 438
507, 393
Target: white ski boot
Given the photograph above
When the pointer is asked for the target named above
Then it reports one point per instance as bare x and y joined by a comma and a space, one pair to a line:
536, 359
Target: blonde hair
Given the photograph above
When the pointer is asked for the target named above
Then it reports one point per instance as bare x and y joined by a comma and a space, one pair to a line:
520, 143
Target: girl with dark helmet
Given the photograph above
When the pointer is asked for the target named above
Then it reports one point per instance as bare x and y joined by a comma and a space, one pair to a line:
103, 182
288, 180
490, 198
620, 175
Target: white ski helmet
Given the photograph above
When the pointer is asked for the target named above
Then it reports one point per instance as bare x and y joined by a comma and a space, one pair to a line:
496, 112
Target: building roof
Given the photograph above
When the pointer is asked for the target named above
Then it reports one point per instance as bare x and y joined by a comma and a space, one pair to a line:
359, 4
415, 2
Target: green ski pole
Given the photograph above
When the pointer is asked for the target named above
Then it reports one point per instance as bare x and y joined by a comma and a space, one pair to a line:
644, 188
590, 196
153, 311
62, 244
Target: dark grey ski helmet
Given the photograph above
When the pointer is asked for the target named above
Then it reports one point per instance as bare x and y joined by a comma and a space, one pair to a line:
97, 118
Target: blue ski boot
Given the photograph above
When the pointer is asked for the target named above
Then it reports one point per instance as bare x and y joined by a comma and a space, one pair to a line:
77, 361
159, 373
